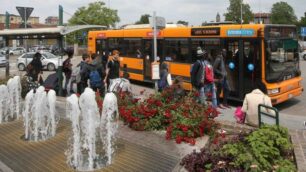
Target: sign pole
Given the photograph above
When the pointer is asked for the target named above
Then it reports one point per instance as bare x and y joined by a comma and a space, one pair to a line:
155, 45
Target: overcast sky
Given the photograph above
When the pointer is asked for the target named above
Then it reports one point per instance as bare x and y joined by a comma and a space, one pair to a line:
129, 11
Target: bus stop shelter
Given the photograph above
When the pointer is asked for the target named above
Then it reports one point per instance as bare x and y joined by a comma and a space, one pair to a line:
57, 33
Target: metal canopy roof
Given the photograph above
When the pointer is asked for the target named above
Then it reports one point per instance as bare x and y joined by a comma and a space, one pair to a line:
45, 33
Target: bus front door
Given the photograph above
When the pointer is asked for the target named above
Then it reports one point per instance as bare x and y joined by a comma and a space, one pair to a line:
148, 56
251, 67
232, 61
242, 66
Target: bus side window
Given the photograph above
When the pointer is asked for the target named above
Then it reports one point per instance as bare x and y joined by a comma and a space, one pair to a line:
176, 50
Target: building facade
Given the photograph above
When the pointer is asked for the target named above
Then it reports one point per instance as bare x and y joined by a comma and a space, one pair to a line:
264, 18
51, 20
15, 19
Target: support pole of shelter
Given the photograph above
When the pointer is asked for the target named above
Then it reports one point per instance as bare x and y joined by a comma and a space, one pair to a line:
60, 60
7, 54
155, 45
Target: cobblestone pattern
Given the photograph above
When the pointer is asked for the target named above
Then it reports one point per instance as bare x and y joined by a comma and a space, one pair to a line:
20, 155
298, 138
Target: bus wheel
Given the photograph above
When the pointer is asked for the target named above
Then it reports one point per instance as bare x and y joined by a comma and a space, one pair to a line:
304, 57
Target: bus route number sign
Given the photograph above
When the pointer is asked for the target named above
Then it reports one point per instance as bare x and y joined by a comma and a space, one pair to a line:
205, 31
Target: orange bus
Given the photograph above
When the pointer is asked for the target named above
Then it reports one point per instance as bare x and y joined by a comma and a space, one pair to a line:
256, 53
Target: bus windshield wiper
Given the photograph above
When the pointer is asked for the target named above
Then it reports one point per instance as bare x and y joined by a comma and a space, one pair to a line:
280, 77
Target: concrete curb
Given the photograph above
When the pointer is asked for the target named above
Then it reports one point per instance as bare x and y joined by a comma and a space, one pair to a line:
5, 168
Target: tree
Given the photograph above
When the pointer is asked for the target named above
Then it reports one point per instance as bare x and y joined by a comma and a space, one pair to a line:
234, 12
96, 14
144, 19
282, 13
301, 23
182, 22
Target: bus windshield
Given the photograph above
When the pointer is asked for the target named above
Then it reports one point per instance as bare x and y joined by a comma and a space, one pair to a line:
282, 59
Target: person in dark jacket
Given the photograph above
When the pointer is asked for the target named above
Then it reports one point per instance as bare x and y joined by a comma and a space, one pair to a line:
197, 74
35, 69
221, 76
83, 83
164, 80
112, 68
88, 72
67, 67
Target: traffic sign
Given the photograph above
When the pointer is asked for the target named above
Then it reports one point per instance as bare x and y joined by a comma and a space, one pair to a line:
24, 12
160, 22
303, 31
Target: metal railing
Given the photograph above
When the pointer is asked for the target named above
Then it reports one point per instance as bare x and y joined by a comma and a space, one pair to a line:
267, 113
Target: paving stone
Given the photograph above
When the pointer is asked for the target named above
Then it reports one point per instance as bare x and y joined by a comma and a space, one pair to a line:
19, 155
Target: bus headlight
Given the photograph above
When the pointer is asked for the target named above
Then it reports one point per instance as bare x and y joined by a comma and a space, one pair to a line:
273, 91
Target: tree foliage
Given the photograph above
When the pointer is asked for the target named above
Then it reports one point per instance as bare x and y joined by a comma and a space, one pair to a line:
182, 22
95, 13
234, 12
301, 23
282, 13
144, 19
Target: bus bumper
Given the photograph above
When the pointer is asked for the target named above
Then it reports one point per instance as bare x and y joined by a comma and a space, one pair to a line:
286, 96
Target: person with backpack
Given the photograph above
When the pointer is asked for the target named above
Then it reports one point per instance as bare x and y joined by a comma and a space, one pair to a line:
221, 76
209, 81
165, 77
82, 84
93, 71
34, 69
197, 75
67, 67
112, 68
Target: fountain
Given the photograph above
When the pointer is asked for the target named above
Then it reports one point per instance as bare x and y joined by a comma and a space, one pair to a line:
40, 120
109, 124
120, 84
14, 90
4, 103
90, 146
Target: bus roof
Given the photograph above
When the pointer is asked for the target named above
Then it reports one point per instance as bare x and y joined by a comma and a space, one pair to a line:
226, 30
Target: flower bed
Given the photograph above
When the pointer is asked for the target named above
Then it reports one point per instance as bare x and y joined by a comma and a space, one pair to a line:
265, 149
181, 116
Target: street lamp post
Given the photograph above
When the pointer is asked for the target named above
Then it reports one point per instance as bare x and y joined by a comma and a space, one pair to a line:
241, 12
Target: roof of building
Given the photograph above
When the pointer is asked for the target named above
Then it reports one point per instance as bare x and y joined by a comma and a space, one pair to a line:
257, 15
16, 26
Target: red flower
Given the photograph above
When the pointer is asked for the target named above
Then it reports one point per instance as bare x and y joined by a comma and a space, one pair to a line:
184, 128
222, 135
158, 103
135, 100
167, 113
178, 139
197, 94
192, 141
215, 141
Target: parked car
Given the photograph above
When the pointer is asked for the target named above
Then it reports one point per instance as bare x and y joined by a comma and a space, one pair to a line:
17, 51
33, 48
303, 54
3, 61
43, 49
49, 60
4, 49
